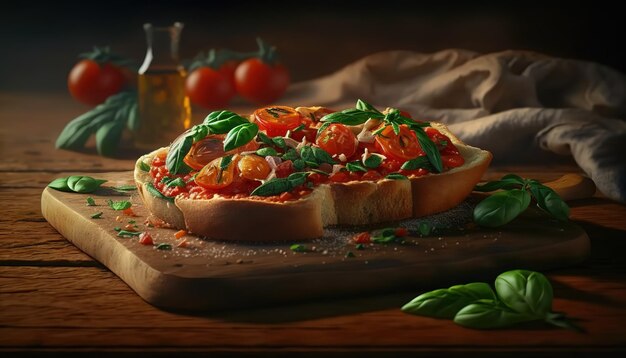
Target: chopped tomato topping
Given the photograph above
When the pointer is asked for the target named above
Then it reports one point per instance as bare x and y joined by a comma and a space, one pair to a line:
129, 212
145, 238
179, 234
362, 238
372, 175
284, 169
340, 177
401, 232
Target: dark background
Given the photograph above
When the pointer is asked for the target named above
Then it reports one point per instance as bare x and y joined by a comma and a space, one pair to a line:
40, 41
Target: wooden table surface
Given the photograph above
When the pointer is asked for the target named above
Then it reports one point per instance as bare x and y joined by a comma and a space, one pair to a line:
54, 298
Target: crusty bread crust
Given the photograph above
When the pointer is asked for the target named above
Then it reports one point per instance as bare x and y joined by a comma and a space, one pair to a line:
352, 203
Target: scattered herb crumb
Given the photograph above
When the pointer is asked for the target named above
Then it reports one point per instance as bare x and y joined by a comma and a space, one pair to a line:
349, 254
425, 229
298, 248
125, 233
97, 215
360, 247
90, 201
163, 246
117, 228
119, 205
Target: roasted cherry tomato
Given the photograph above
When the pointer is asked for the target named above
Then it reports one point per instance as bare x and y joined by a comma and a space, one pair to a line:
209, 88
253, 167
337, 139
210, 148
277, 120
212, 176
371, 175
228, 69
402, 146
91, 82
452, 160
261, 82
308, 131
340, 177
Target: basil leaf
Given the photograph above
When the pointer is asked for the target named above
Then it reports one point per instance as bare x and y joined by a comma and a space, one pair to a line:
311, 164
84, 184
90, 201
199, 132
417, 163
97, 215
299, 164
279, 142
297, 179
298, 248
264, 138
299, 128
355, 167
119, 205
396, 176
225, 162
385, 236
306, 153
487, 314
179, 182
322, 128
514, 179
351, 117
125, 187
126, 233
525, 292
144, 167
447, 302
425, 228
178, 150
321, 172
156, 193
321, 156
364, 106
163, 246
60, 184
373, 161
273, 187
240, 135
498, 184
396, 128
267, 151
548, 200
220, 122
291, 154
432, 153
501, 208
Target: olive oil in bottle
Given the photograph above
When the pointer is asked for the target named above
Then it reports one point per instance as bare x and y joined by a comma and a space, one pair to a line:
164, 109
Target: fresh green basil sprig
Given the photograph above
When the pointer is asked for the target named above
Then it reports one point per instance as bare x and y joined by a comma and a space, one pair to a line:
106, 120
520, 296
77, 184
239, 131
278, 186
364, 111
504, 206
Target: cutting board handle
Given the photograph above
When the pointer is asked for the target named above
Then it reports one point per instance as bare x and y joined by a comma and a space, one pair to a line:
573, 186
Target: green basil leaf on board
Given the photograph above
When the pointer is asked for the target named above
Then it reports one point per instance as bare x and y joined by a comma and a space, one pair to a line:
119, 205
221, 122
176, 155
84, 184
97, 215
447, 302
488, 314
91, 201
501, 208
60, 184
163, 246
240, 135
497, 185
548, 200
525, 292
125, 187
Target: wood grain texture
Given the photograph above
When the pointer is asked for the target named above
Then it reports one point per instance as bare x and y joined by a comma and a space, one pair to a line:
55, 299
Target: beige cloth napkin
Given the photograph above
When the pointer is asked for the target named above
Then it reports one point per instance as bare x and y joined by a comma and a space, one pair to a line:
522, 106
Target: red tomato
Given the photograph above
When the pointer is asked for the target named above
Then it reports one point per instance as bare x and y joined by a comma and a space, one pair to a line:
402, 146
307, 131
371, 175
284, 169
277, 120
145, 238
91, 83
362, 238
401, 232
209, 88
389, 166
337, 139
340, 177
260, 82
452, 160
210, 148
228, 69
443, 142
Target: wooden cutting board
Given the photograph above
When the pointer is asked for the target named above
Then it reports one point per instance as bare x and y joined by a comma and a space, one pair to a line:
209, 275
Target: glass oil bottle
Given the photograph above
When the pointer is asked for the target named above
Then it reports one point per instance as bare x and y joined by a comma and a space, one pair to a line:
164, 108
